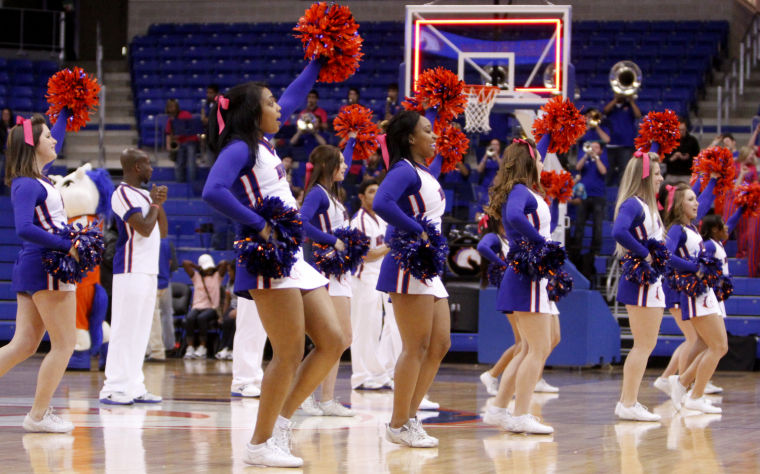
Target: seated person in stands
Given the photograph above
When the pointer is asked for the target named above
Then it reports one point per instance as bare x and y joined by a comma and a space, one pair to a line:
228, 318
746, 166
308, 135
353, 96
593, 167
207, 281
622, 114
392, 104
209, 106
678, 164
290, 171
726, 140
182, 148
313, 108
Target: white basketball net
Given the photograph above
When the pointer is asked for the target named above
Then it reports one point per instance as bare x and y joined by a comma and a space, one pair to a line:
480, 101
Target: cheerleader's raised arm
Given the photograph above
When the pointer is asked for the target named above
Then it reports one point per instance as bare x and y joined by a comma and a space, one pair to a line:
297, 91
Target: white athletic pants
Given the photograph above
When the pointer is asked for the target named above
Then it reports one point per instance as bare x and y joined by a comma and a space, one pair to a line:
133, 302
248, 345
366, 327
390, 340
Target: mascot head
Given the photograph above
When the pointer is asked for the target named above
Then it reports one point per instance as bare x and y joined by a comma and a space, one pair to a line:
85, 191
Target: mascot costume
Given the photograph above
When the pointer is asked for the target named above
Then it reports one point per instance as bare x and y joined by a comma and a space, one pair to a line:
87, 198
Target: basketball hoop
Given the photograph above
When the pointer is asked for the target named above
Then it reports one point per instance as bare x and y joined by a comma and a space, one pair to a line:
480, 100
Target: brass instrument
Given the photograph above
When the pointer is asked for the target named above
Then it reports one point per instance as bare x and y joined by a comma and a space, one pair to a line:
498, 77
594, 119
173, 146
549, 82
587, 147
625, 78
307, 122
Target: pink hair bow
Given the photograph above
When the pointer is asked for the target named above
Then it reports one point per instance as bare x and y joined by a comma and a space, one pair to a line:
645, 160
483, 223
27, 124
309, 169
384, 150
525, 142
221, 103
671, 193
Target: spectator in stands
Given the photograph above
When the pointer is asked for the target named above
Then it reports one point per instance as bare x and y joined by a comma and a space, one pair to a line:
726, 140
207, 282
184, 147
290, 171
622, 114
489, 164
306, 139
458, 181
209, 107
753, 139
593, 167
353, 96
298, 194
746, 166
392, 104
312, 107
679, 162
228, 317
6, 123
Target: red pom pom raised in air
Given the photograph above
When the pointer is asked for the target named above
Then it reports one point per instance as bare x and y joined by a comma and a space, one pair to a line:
451, 144
439, 88
329, 32
720, 160
357, 119
748, 196
562, 121
557, 184
660, 128
75, 89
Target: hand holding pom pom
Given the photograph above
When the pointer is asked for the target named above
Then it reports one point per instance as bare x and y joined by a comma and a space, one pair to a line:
357, 119
694, 284
333, 262
536, 260
496, 274
716, 160
748, 196
637, 270
724, 288
330, 32
442, 89
86, 253
423, 258
562, 121
451, 145
660, 128
558, 286
75, 89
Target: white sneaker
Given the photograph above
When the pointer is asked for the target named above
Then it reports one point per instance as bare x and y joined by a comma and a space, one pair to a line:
711, 389
498, 417
491, 383
426, 404
189, 353
148, 397
310, 407
221, 355
333, 408
677, 391
117, 398
416, 425
701, 404
543, 386
662, 384
268, 454
282, 434
200, 352
408, 436
636, 412
248, 391
50, 423
529, 424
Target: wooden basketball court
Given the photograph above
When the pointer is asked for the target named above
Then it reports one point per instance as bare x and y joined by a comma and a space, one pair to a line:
199, 429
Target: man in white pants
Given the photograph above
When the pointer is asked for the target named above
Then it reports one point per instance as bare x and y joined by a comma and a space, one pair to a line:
135, 270
368, 370
247, 350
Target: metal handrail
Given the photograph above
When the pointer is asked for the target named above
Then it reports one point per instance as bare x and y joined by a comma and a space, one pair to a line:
739, 71
58, 21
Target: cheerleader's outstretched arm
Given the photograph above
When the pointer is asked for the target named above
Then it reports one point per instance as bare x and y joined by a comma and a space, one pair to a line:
705, 199
59, 129
734, 219
222, 176
348, 154
297, 91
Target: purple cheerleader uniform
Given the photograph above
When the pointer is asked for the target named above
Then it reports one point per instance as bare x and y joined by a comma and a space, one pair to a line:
525, 216
634, 226
713, 248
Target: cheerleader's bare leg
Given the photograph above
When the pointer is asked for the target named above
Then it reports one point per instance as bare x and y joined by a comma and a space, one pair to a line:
507, 356
27, 337
536, 330
343, 311
507, 382
57, 309
440, 342
645, 326
556, 338
712, 331
323, 328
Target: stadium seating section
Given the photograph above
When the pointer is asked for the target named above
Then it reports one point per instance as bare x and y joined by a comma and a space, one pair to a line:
23, 84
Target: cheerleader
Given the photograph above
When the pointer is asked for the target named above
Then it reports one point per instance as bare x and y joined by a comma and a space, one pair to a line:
494, 247
692, 345
248, 169
702, 311
714, 232
44, 303
322, 212
636, 220
525, 216
411, 190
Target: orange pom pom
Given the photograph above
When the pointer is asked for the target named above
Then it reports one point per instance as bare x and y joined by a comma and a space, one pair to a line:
660, 128
440, 88
451, 144
558, 185
75, 89
357, 119
748, 196
720, 160
562, 121
329, 32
